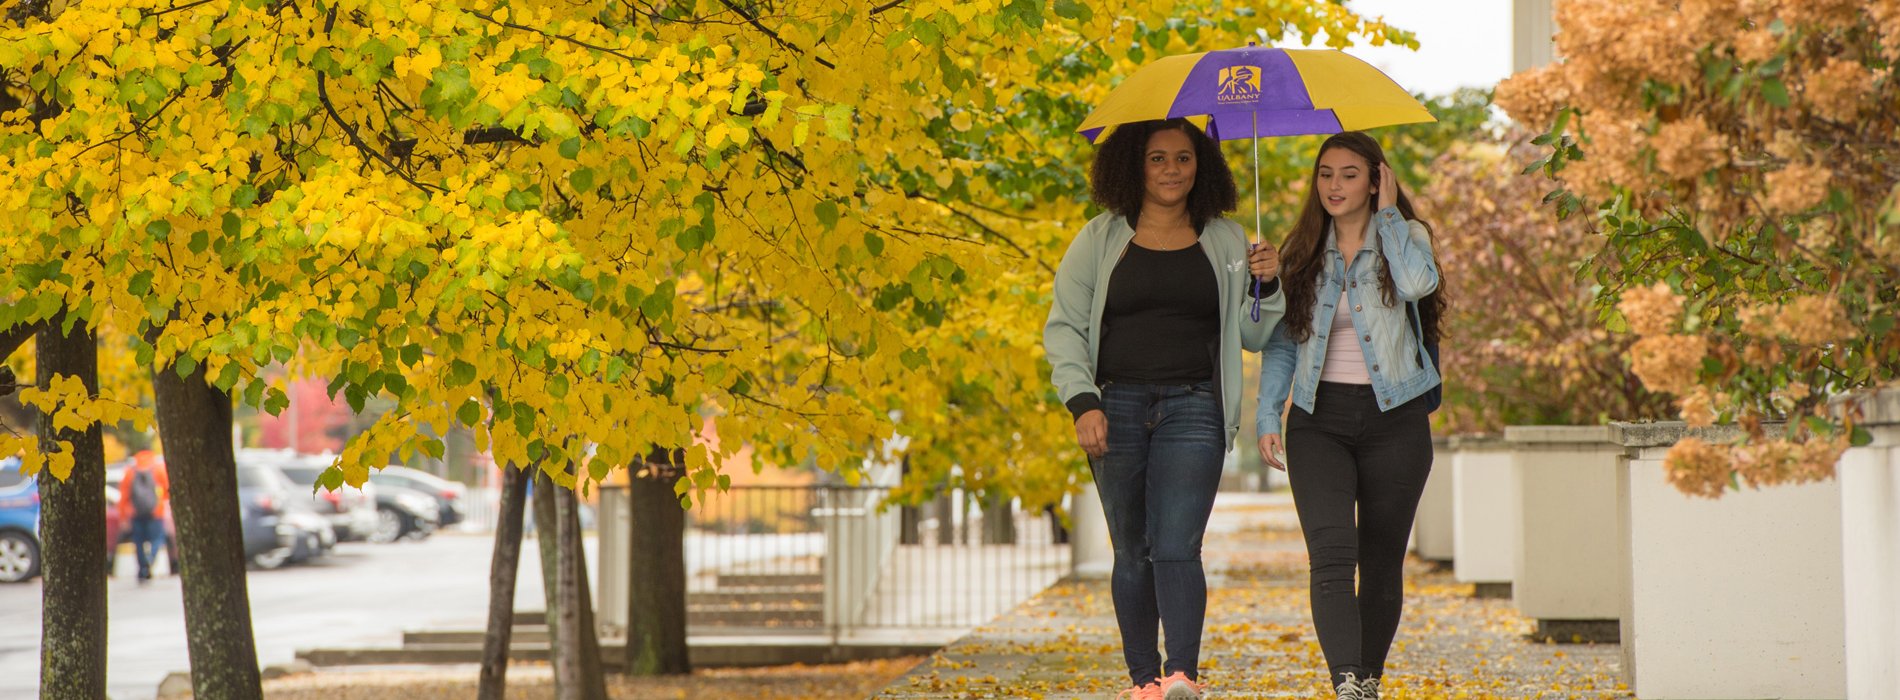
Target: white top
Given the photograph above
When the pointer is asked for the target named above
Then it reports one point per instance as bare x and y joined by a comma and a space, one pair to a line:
1345, 361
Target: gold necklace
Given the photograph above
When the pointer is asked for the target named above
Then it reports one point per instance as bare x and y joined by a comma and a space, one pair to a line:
1162, 246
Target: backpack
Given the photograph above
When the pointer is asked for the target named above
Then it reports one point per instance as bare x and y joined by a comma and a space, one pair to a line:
144, 494
1435, 396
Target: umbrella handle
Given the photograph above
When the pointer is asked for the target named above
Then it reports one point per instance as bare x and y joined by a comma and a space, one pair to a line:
1256, 300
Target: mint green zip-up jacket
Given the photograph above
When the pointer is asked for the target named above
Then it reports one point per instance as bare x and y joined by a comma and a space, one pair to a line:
1073, 334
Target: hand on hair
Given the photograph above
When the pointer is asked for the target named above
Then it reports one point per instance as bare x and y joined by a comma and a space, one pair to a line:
1388, 187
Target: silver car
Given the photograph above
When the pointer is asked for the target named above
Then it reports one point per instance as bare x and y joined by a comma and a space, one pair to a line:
350, 510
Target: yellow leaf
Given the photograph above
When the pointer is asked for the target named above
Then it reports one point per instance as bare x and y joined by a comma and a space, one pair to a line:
69, 420
61, 463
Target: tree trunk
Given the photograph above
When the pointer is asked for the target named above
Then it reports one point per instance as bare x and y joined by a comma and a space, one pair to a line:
909, 517
576, 654
908, 520
547, 540
72, 532
194, 420
656, 625
999, 520
592, 672
502, 570
946, 520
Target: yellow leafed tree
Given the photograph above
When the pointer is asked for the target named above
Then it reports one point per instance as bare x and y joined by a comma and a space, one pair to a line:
578, 227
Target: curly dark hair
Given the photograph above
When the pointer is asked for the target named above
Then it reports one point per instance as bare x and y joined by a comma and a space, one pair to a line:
1119, 181
1303, 253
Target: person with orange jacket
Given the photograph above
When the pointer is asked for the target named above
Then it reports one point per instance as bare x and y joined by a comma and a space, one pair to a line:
144, 495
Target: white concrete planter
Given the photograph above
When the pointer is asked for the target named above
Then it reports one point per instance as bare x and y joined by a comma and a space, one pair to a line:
1092, 555
1484, 514
1434, 536
1737, 597
1869, 480
1570, 553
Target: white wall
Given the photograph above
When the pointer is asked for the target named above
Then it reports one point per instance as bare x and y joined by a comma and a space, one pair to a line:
1870, 544
1434, 530
1532, 26
1736, 597
1570, 553
1484, 505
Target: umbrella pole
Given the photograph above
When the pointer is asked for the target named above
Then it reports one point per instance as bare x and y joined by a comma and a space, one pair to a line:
1255, 313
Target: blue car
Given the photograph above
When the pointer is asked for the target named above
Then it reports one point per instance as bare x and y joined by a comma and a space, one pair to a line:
19, 523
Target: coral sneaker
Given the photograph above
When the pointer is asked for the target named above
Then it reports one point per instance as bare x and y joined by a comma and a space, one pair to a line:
1179, 687
1151, 691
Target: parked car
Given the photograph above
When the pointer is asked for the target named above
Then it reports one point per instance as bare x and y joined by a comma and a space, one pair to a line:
19, 523
402, 512
279, 528
350, 510
447, 494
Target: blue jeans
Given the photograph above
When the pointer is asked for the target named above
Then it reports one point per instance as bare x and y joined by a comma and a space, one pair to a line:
147, 534
1157, 481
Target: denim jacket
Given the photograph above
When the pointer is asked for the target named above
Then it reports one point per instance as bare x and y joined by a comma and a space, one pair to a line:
1399, 369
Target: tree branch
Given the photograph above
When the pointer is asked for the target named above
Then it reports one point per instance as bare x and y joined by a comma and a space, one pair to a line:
756, 24
323, 95
560, 37
12, 338
146, 13
985, 228
136, 128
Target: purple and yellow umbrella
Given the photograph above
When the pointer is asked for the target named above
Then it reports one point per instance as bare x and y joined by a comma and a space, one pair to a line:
1256, 91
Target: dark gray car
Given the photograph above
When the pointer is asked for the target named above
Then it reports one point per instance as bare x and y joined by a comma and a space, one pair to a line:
447, 494
350, 510
279, 526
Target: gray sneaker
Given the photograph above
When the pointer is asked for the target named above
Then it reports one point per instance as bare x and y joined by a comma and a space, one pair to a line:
1369, 688
1350, 690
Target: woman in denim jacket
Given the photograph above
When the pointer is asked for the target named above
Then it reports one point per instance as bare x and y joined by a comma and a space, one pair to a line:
1357, 267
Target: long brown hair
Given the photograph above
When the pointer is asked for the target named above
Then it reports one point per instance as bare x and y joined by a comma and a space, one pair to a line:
1303, 253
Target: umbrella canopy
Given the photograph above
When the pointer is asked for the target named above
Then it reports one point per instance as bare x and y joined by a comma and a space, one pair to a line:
1258, 91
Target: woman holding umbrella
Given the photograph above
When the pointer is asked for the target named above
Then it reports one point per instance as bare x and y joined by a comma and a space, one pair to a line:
1352, 353
1153, 304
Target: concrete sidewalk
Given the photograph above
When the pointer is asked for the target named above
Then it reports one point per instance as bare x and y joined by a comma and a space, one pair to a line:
1259, 640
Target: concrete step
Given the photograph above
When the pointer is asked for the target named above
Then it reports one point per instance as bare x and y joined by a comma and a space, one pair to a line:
768, 596
531, 617
529, 634
771, 618
433, 654
770, 580
706, 652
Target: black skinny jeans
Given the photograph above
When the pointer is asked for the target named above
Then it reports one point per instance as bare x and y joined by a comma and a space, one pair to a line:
1347, 455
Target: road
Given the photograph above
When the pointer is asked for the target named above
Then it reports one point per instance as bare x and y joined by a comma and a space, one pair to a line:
360, 595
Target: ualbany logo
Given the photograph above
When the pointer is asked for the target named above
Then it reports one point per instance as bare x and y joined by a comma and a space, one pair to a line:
1238, 84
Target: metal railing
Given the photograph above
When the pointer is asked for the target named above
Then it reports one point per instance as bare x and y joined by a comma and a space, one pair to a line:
829, 560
